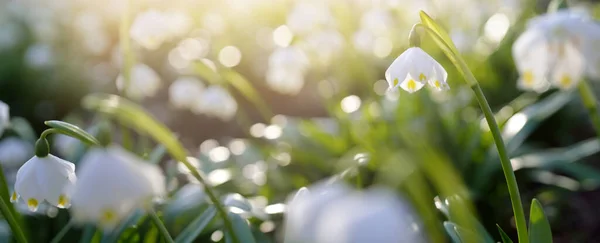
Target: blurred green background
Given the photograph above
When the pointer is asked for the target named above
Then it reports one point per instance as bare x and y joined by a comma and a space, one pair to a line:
310, 100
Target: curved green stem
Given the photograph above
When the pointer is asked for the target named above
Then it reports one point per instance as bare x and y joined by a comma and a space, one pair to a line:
12, 222
590, 103
511, 180
161, 227
61, 234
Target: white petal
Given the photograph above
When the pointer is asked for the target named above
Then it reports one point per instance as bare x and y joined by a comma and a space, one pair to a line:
421, 65
4, 116
398, 70
411, 85
569, 68
185, 92
529, 49
438, 81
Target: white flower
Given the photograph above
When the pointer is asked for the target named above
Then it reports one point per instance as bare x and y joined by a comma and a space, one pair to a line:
150, 29
303, 210
4, 117
217, 102
45, 179
307, 16
14, 151
185, 92
286, 70
144, 82
376, 215
113, 183
558, 49
413, 69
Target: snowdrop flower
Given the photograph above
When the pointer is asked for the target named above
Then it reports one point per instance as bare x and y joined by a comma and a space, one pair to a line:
304, 210
376, 215
185, 92
47, 179
413, 69
216, 101
113, 184
145, 82
286, 70
150, 29
558, 49
14, 152
4, 117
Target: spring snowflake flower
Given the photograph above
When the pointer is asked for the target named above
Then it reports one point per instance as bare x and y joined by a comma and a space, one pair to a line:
4, 117
47, 179
14, 152
113, 183
413, 69
217, 102
145, 82
149, 29
557, 49
287, 67
376, 215
185, 92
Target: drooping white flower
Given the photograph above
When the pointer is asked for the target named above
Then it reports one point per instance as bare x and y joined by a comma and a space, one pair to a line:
413, 69
556, 48
113, 183
149, 29
45, 179
217, 102
286, 70
4, 117
376, 215
14, 151
144, 82
185, 92
305, 208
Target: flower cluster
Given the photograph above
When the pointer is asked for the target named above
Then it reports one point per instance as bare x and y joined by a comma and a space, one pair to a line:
557, 49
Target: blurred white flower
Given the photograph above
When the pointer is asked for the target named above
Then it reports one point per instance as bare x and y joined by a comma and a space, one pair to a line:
185, 92
324, 45
14, 151
557, 48
39, 56
215, 101
90, 28
144, 82
113, 183
45, 179
152, 28
378, 21
285, 73
307, 16
65, 145
376, 215
4, 117
413, 69
306, 207
364, 40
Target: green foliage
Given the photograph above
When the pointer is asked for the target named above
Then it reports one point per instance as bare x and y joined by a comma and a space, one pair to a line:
539, 227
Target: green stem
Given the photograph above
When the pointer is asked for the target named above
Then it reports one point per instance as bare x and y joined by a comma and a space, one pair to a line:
125, 44
12, 222
590, 103
509, 174
511, 180
63, 232
161, 227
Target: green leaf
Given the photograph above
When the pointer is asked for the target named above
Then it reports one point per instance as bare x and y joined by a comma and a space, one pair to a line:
429, 22
133, 115
241, 228
157, 154
23, 128
191, 232
452, 232
446, 207
238, 201
73, 131
539, 227
504, 236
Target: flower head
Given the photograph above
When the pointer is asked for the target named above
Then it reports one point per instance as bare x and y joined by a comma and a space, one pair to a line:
47, 179
144, 82
413, 69
185, 92
217, 102
556, 49
113, 184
